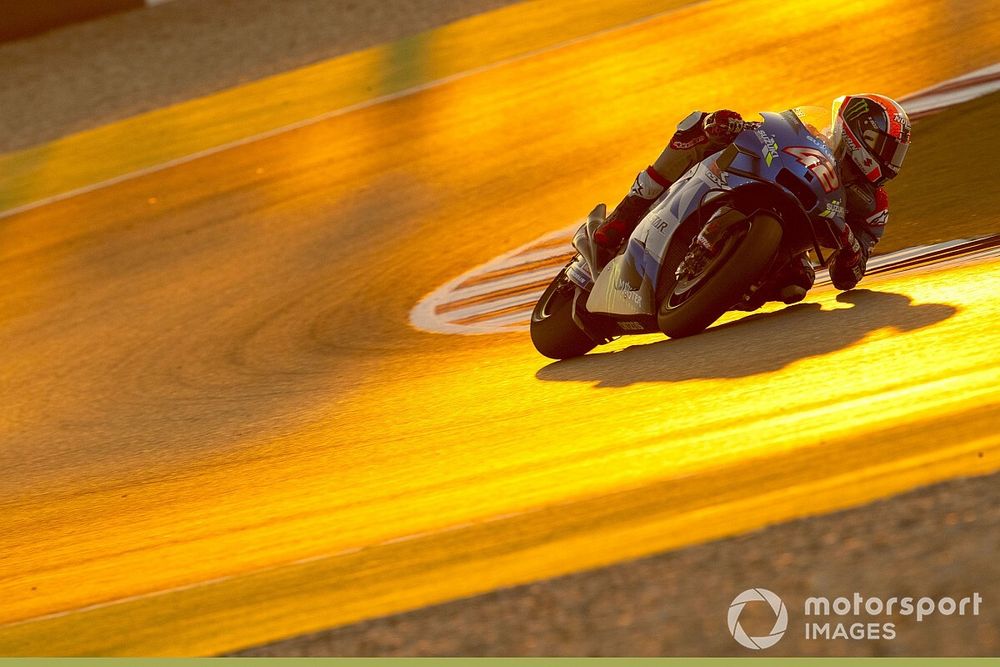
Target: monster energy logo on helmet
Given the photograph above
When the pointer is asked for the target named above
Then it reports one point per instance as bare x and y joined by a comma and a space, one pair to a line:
857, 107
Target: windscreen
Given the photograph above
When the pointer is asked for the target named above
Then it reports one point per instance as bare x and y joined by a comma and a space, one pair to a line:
817, 120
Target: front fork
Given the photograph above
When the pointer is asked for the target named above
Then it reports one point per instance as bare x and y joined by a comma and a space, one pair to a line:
707, 243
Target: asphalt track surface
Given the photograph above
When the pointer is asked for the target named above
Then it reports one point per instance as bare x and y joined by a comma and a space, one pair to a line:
219, 429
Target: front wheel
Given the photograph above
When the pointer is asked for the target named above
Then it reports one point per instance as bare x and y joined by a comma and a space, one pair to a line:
691, 303
553, 331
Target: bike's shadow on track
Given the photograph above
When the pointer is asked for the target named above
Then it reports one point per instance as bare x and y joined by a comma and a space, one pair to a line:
755, 344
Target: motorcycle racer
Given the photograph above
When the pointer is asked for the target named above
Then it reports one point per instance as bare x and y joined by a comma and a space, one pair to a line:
869, 137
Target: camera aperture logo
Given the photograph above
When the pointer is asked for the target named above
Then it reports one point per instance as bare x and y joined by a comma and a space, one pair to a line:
826, 619
780, 618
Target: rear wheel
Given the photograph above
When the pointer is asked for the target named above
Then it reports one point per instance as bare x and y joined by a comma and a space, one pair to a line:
553, 331
691, 303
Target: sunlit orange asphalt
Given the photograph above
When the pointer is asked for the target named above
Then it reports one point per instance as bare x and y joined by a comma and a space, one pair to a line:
218, 428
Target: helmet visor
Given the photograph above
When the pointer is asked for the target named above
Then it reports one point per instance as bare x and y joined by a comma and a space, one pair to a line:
895, 161
889, 151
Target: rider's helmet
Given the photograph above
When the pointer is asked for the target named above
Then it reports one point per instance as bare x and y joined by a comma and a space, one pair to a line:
873, 132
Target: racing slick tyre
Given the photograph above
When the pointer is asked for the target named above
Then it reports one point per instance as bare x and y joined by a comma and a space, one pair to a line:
691, 304
553, 331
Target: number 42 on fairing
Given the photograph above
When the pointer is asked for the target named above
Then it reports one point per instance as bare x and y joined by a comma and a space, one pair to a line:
818, 163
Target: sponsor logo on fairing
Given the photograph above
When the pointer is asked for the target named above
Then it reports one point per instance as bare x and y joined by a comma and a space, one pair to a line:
834, 209
770, 148
820, 144
628, 291
717, 177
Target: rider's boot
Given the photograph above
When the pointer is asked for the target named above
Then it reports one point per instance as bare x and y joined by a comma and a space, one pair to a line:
797, 279
648, 186
789, 285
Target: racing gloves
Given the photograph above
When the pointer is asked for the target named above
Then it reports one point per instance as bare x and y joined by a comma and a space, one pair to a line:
847, 265
722, 126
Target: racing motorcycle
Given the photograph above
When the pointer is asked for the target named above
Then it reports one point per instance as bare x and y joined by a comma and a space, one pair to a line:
716, 240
